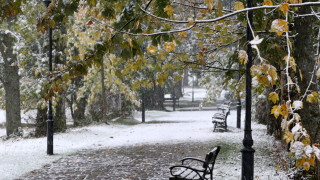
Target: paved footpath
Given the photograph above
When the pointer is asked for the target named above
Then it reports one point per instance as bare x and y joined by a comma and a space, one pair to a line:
129, 162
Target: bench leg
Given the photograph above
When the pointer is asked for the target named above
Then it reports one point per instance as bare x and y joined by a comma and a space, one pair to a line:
214, 126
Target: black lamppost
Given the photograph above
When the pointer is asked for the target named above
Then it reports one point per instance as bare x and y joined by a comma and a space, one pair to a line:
50, 116
248, 151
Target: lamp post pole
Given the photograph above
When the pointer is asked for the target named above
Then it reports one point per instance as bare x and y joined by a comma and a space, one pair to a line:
239, 103
248, 152
50, 115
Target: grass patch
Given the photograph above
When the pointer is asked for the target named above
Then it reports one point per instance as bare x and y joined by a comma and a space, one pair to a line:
229, 151
126, 121
162, 122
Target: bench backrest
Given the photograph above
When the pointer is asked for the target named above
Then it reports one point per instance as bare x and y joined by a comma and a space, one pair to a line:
211, 157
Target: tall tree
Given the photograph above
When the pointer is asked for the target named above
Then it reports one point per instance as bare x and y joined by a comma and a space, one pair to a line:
10, 79
304, 53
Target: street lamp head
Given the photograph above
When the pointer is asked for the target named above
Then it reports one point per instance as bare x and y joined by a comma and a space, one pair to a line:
46, 2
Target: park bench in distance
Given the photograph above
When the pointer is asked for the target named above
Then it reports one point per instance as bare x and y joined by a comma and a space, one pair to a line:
220, 118
193, 168
172, 99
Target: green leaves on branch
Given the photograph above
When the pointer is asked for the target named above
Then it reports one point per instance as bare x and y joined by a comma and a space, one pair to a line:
10, 8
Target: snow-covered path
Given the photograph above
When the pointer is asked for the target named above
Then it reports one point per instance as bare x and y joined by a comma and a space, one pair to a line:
19, 156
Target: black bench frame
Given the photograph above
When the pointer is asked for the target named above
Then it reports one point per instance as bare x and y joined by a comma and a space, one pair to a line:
188, 172
220, 118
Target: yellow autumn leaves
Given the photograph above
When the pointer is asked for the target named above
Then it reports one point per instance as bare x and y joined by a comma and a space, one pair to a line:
238, 5
243, 57
267, 3
313, 97
168, 10
265, 74
168, 47
274, 97
279, 26
280, 110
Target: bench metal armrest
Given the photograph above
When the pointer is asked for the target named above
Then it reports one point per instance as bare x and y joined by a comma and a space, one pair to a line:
185, 167
191, 159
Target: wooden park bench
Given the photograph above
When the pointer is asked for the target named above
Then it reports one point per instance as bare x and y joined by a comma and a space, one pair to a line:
172, 99
196, 169
220, 118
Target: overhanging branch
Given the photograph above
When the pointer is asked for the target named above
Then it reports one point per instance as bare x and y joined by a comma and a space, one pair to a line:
232, 13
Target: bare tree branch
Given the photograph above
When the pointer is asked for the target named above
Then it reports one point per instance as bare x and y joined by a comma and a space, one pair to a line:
233, 13
157, 33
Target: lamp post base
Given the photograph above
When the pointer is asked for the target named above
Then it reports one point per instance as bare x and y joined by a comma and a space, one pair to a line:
247, 163
50, 137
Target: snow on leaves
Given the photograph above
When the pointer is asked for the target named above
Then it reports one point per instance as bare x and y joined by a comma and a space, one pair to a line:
292, 63
265, 75
152, 50
279, 26
168, 46
278, 110
297, 105
210, 4
243, 57
256, 41
313, 97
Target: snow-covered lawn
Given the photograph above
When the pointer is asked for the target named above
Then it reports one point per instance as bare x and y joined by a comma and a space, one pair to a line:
199, 93
19, 156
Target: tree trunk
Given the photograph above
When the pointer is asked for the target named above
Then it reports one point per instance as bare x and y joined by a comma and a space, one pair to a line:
79, 117
59, 118
103, 94
305, 59
160, 97
79, 112
185, 77
304, 54
10, 79
12, 97
41, 122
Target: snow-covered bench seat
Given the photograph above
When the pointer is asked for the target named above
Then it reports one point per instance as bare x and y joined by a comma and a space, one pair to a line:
220, 118
193, 168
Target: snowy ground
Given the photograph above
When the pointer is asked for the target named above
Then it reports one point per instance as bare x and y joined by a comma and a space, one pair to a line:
19, 156
199, 93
